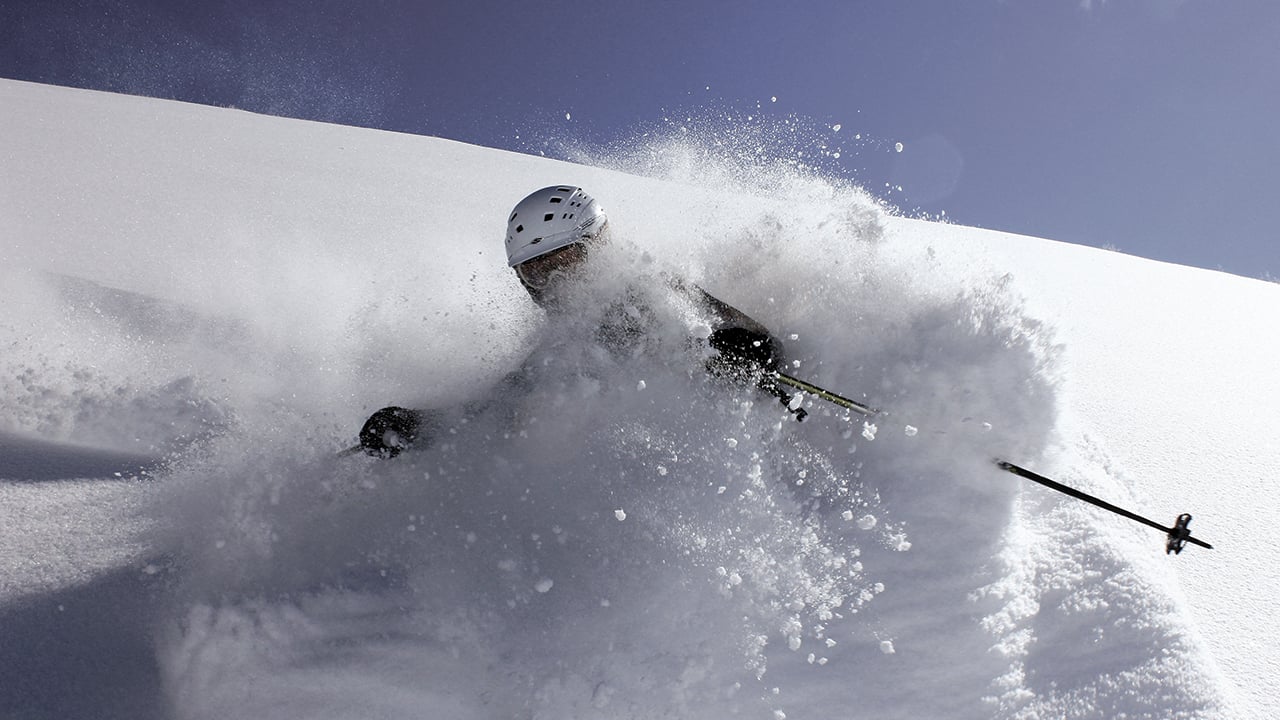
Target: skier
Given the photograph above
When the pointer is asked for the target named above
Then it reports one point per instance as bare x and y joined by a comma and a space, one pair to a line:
550, 235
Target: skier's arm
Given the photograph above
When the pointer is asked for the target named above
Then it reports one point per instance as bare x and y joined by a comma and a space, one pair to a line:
745, 349
394, 429
728, 315
745, 346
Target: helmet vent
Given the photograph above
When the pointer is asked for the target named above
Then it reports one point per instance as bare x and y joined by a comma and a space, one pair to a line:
548, 217
519, 228
557, 200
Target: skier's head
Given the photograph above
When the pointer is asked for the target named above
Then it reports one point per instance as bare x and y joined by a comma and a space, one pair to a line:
548, 234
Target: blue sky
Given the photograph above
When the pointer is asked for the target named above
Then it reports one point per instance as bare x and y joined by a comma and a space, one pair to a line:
1145, 125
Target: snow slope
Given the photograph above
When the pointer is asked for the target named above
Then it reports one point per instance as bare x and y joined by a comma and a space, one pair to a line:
202, 305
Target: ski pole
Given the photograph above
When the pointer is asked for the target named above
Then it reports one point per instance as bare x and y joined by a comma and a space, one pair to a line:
1179, 534
827, 395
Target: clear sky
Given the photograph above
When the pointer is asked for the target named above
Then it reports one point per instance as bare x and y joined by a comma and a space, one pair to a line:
1145, 125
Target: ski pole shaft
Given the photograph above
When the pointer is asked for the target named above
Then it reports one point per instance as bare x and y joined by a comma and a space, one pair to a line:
827, 395
1177, 535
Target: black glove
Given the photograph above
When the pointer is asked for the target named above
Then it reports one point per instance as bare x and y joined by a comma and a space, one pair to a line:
389, 431
744, 354
749, 356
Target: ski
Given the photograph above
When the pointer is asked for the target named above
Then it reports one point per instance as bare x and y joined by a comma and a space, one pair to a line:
1178, 535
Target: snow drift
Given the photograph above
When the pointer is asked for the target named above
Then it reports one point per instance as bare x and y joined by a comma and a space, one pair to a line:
203, 305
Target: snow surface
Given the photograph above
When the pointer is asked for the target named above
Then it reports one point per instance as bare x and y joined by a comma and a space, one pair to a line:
202, 305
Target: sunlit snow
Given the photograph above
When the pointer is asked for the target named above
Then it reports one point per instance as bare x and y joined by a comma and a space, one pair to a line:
202, 306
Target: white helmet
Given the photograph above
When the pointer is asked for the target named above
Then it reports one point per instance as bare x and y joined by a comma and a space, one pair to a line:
550, 219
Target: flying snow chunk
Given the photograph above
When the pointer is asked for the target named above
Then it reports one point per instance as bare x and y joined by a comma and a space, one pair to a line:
836, 127
897, 147
640, 385
620, 514
886, 647
869, 430
866, 522
544, 585
911, 430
